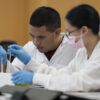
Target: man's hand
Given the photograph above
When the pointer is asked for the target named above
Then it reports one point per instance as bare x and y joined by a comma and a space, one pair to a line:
19, 52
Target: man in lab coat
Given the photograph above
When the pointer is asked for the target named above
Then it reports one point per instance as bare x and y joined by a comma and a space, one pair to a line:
47, 45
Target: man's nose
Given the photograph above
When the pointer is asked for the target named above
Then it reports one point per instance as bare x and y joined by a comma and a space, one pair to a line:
36, 41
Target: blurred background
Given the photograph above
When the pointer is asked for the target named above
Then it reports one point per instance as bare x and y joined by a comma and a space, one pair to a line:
15, 15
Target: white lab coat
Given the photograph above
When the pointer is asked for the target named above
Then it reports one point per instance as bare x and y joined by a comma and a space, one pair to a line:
81, 74
63, 55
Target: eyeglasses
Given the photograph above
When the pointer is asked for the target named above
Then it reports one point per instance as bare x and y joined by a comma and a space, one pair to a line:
68, 33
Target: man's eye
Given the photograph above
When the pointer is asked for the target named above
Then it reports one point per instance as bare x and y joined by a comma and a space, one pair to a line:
41, 37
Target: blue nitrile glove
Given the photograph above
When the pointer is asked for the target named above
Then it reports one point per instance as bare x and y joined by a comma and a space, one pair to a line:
19, 52
3, 55
22, 77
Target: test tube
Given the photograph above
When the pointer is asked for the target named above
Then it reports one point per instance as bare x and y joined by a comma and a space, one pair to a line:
9, 58
2, 64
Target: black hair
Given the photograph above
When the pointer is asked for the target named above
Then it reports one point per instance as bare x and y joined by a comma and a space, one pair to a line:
46, 16
84, 15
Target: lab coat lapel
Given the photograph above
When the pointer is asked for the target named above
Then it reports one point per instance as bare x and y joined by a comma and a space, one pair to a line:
41, 57
58, 51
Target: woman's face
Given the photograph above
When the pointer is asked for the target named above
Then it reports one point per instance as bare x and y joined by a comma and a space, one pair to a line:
74, 31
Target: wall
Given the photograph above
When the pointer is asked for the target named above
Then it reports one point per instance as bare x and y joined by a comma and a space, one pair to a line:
15, 14
12, 20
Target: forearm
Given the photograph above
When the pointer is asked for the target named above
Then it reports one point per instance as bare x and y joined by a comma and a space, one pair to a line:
64, 82
35, 66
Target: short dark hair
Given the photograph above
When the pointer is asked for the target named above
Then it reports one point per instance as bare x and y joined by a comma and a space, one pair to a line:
84, 15
46, 16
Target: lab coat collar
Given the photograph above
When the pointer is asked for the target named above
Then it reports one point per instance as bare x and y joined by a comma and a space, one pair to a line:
95, 51
65, 39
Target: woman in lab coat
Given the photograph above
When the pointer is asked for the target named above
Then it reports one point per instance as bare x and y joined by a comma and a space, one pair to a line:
83, 72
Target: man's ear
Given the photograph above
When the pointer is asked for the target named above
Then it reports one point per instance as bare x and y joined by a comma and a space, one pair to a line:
58, 31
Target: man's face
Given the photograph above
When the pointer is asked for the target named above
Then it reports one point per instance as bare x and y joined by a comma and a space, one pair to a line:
44, 40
